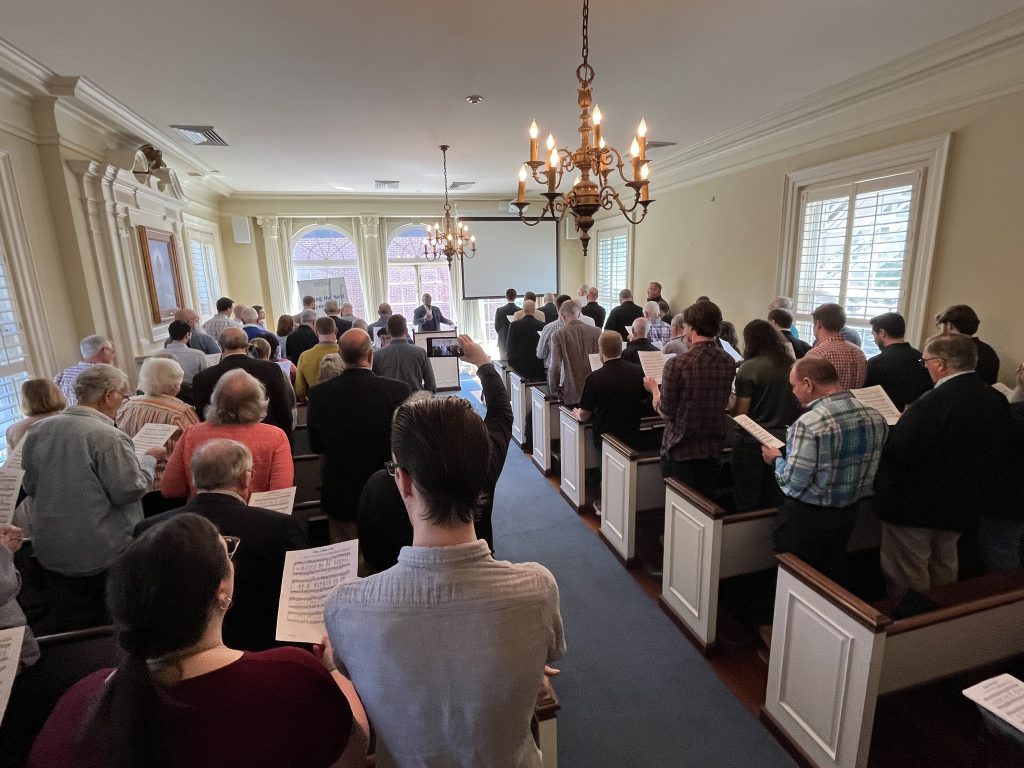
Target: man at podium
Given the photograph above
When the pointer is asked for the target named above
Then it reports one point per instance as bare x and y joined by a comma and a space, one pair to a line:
427, 317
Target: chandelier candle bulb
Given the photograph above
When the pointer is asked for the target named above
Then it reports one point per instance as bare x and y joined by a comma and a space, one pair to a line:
641, 133
534, 152
597, 127
602, 163
634, 150
645, 190
521, 195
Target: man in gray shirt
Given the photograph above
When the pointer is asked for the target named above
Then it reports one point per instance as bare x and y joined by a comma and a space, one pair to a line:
402, 360
192, 361
86, 484
448, 647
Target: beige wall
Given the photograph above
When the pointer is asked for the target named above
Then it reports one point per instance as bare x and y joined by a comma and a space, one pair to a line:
722, 237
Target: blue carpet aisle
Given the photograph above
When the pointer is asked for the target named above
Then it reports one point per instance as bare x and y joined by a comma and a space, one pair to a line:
634, 691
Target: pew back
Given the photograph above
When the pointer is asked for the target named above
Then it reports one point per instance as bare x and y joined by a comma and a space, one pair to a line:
630, 483
544, 415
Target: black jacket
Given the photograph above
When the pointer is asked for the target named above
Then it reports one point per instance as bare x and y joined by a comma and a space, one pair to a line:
630, 353
501, 324
621, 318
522, 348
800, 347
299, 340
550, 312
349, 422
944, 461
259, 563
279, 391
595, 312
898, 370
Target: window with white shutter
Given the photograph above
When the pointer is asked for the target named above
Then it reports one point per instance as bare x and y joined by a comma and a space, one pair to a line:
612, 266
203, 252
13, 357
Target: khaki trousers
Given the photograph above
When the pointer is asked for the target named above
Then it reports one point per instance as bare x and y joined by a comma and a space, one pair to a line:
917, 558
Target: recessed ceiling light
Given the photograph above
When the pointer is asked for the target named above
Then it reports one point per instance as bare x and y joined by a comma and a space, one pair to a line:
474, 98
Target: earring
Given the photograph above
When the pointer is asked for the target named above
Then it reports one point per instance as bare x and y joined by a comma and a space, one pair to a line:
224, 603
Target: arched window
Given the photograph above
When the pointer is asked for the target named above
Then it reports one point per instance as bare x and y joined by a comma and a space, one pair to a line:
328, 252
410, 275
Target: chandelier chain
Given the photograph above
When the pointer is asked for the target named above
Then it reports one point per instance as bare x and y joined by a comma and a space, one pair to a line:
586, 36
444, 161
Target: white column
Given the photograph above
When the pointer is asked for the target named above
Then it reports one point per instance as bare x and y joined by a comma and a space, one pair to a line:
277, 257
372, 264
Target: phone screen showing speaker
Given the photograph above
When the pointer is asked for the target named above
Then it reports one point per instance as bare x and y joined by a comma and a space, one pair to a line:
443, 348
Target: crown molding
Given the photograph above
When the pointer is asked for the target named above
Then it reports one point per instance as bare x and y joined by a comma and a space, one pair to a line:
803, 125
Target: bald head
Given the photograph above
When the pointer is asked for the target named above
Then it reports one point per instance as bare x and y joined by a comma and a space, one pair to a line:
233, 341
355, 348
528, 307
187, 316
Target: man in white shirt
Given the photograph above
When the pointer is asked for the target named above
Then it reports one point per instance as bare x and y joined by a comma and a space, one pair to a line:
220, 322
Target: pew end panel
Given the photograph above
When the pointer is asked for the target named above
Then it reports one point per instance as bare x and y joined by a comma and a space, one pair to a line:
578, 455
544, 413
517, 395
630, 483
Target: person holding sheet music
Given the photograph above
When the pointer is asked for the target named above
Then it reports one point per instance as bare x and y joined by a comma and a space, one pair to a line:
570, 350
638, 341
692, 398
897, 369
223, 471
832, 454
181, 696
942, 468
763, 393
614, 395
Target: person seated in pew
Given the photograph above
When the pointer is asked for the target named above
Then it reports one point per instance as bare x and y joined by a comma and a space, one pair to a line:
763, 393
692, 398
447, 647
832, 454
897, 369
942, 467
523, 336
638, 341
237, 409
222, 471
181, 696
571, 347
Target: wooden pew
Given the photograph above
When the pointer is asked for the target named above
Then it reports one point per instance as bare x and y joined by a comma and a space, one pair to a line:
519, 394
544, 417
705, 544
833, 654
630, 484
300, 441
502, 367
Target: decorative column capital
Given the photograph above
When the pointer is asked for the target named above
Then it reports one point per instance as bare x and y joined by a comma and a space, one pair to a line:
369, 226
271, 226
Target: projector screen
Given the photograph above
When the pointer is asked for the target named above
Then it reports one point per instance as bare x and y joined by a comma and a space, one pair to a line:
510, 254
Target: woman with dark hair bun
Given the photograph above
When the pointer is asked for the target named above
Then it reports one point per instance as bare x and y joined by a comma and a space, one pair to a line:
764, 394
180, 697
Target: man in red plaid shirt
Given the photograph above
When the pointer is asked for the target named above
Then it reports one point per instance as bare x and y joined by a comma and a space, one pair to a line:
849, 359
692, 399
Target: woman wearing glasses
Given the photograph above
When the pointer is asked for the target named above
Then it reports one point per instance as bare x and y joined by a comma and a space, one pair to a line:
180, 697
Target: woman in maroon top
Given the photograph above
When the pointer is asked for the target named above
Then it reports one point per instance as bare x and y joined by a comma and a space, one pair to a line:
181, 697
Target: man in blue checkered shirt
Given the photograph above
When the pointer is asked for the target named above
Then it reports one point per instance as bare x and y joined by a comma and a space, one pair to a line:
832, 454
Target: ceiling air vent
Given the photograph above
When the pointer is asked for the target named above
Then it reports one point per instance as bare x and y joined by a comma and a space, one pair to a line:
382, 184
458, 186
660, 144
200, 135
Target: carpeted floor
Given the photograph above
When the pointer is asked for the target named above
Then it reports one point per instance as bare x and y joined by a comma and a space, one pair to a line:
634, 691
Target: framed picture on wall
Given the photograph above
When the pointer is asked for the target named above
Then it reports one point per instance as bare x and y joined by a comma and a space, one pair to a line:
160, 256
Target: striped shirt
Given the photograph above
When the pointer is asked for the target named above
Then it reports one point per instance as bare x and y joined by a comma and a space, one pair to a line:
156, 409
659, 332
66, 380
832, 452
849, 359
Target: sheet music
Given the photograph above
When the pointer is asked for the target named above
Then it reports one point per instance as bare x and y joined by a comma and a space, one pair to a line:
213, 358
731, 350
14, 457
152, 436
309, 577
286, 367
759, 433
1002, 389
10, 487
653, 364
875, 397
10, 655
1003, 696
595, 361
282, 500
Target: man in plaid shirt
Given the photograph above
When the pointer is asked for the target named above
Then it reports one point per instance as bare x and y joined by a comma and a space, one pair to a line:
832, 454
848, 358
94, 349
692, 399
658, 331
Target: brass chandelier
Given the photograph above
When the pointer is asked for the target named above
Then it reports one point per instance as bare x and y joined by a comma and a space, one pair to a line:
594, 160
450, 237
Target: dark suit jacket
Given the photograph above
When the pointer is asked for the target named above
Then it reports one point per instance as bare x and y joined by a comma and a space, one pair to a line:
800, 347
501, 324
988, 362
595, 312
622, 317
629, 354
522, 348
251, 623
349, 421
550, 312
341, 323
943, 462
898, 370
435, 323
278, 390
299, 340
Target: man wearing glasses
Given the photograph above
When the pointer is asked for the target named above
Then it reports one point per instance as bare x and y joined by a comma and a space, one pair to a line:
222, 472
95, 350
87, 484
941, 468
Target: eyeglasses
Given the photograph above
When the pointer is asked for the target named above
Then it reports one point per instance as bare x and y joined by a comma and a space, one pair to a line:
925, 360
390, 466
232, 543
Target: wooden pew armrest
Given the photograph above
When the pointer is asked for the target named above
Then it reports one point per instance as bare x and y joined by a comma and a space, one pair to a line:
847, 602
701, 502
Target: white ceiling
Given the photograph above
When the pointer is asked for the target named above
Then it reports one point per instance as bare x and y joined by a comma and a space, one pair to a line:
313, 93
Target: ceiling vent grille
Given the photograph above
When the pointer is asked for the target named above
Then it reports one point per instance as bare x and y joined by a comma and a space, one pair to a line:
200, 135
660, 144
458, 186
384, 184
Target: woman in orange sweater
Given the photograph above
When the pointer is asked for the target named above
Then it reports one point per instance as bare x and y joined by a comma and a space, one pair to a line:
237, 408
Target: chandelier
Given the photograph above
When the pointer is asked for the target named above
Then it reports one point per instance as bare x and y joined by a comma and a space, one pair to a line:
448, 238
594, 161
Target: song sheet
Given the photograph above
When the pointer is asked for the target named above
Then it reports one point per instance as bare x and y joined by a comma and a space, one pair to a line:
10, 656
309, 577
282, 500
10, 487
877, 398
1003, 390
759, 433
653, 364
152, 436
595, 361
213, 358
1003, 696
14, 457
286, 367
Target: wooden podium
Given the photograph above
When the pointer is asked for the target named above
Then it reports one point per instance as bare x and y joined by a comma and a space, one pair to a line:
446, 368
